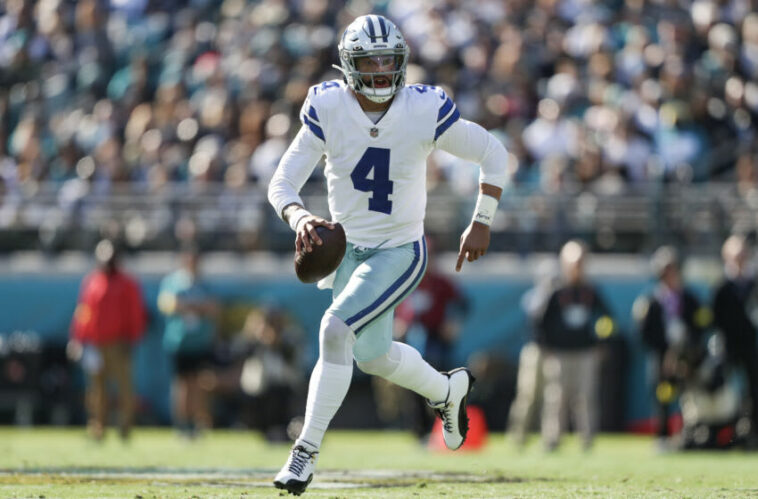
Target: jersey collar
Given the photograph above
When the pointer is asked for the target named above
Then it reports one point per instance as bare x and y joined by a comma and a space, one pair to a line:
364, 121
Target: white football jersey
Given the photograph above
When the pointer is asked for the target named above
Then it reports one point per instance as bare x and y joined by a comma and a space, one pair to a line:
376, 173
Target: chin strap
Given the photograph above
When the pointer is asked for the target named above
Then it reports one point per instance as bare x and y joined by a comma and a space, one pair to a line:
373, 98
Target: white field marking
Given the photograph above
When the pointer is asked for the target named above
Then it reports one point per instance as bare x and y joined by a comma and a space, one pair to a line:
229, 477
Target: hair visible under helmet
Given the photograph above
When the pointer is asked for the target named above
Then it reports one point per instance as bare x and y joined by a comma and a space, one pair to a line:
370, 36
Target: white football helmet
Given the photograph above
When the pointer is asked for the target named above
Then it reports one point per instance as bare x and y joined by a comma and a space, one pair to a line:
371, 36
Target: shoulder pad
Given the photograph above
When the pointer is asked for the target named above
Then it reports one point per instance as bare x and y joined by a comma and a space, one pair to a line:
429, 95
440, 103
321, 98
325, 92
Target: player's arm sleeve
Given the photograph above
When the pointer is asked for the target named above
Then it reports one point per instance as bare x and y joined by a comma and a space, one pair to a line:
471, 142
295, 167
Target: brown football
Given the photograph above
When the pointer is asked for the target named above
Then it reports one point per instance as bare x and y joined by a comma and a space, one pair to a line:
324, 259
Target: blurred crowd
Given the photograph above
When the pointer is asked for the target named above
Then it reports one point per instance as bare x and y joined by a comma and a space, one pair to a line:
585, 94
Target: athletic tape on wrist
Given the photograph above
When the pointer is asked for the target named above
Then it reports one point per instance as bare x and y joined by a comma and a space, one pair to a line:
295, 217
486, 207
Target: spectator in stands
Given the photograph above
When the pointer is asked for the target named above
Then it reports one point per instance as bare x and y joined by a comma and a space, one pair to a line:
530, 381
430, 321
271, 371
190, 312
735, 313
668, 82
671, 324
109, 319
568, 330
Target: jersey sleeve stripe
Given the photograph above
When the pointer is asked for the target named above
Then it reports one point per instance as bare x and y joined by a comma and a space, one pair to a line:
317, 131
446, 107
395, 293
312, 114
447, 124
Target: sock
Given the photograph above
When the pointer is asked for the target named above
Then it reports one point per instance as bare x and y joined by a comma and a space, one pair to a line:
330, 380
405, 367
326, 391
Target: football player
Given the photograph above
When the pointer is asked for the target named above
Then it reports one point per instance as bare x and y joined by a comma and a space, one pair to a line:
376, 134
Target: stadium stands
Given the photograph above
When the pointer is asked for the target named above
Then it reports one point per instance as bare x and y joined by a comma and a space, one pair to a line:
171, 116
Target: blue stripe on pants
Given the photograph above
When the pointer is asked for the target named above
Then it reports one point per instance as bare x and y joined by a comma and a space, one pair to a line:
404, 282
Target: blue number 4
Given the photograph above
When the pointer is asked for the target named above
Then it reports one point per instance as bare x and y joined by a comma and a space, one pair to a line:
377, 159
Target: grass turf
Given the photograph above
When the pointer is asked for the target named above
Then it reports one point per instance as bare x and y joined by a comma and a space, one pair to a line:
50, 463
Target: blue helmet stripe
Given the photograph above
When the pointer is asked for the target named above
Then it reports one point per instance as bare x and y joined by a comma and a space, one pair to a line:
385, 31
452, 119
371, 30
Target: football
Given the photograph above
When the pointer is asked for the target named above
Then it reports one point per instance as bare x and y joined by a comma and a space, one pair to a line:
324, 259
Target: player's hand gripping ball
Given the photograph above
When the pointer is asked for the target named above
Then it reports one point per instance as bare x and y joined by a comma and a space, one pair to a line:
325, 258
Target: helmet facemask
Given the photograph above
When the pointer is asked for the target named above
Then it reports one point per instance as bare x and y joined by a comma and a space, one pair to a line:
371, 83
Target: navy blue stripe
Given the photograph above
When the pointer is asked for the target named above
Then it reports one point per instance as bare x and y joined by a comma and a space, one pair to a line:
403, 295
314, 128
395, 285
312, 113
385, 31
444, 109
452, 119
371, 31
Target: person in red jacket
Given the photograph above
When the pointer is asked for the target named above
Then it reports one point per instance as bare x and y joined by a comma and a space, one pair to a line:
109, 319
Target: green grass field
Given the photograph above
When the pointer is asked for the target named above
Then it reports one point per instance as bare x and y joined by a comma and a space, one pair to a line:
50, 463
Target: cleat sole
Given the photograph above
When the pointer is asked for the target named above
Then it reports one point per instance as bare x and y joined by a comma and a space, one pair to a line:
294, 487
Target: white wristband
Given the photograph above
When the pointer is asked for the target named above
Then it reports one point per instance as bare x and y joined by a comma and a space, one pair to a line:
295, 217
486, 206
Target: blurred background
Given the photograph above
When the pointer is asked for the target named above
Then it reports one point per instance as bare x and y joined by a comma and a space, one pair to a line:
157, 124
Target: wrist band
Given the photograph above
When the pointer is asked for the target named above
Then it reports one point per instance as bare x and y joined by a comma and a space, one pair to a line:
295, 217
486, 206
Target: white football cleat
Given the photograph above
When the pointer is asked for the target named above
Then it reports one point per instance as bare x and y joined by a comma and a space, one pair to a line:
453, 410
297, 472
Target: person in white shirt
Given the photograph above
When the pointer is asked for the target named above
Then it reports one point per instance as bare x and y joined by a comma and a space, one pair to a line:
376, 134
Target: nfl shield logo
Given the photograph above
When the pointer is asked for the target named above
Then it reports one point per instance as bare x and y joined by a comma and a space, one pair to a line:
374, 132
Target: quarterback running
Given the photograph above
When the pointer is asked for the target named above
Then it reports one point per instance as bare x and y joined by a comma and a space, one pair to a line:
376, 133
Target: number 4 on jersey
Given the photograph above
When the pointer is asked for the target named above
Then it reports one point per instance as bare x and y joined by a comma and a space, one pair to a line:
377, 159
